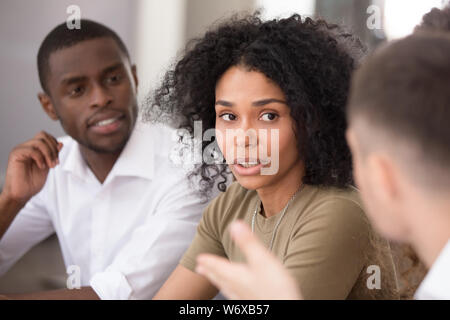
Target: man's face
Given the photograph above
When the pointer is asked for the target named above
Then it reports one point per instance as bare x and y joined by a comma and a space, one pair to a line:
92, 90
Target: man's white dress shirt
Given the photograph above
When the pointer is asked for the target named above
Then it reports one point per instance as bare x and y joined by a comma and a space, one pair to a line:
124, 236
436, 285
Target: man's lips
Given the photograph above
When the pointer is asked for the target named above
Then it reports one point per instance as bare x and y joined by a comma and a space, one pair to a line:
106, 125
104, 119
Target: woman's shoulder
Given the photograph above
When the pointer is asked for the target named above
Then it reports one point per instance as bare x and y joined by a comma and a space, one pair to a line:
336, 207
230, 204
234, 194
338, 195
330, 197
335, 219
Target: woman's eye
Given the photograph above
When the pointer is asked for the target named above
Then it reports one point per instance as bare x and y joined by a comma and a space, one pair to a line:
228, 117
269, 116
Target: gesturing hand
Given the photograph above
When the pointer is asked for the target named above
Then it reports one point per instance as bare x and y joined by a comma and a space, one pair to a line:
262, 278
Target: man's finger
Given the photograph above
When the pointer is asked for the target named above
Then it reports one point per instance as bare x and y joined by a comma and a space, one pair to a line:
51, 142
37, 157
52, 147
55, 144
46, 151
222, 273
40, 145
217, 267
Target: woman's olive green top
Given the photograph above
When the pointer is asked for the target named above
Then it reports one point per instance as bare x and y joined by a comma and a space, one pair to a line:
324, 240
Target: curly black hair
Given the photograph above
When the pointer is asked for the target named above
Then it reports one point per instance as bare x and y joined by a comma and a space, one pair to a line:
310, 60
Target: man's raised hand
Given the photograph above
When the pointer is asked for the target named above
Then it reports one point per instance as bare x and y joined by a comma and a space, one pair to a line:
28, 167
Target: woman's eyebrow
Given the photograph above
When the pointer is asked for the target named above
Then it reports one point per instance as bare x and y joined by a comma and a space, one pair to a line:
258, 103
224, 103
263, 102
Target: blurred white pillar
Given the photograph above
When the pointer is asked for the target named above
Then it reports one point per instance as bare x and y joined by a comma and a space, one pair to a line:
281, 9
402, 16
159, 37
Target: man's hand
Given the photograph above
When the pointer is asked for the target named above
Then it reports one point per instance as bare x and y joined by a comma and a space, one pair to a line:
28, 167
262, 278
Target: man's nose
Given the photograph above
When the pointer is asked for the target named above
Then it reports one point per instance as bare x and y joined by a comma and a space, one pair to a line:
100, 97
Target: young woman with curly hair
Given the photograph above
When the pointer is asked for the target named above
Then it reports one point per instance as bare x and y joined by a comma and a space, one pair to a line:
288, 76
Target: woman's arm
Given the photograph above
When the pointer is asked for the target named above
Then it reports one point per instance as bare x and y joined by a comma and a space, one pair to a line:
183, 284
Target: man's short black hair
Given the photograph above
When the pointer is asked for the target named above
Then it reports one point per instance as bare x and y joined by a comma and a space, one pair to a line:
62, 37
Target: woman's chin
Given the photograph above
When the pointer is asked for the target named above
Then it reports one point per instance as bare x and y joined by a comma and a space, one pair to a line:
251, 182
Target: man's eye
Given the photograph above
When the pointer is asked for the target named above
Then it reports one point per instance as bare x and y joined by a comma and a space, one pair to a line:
228, 117
76, 91
113, 79
269, 116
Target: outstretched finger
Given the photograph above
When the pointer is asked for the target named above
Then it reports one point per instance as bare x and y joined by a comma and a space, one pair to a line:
221, 272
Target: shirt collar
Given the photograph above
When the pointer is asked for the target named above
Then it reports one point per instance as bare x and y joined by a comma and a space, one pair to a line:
436, 284
136, 159
74, 162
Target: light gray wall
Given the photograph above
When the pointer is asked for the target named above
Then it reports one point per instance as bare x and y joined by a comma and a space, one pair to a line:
23, 25
200, 14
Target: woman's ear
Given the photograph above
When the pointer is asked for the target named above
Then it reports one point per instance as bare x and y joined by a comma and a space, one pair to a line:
47, 105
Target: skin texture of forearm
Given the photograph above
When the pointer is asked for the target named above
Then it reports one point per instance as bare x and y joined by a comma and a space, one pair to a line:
184, 284
8, 211
84, 293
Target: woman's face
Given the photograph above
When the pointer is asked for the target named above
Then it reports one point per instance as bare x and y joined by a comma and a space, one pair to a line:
254, 128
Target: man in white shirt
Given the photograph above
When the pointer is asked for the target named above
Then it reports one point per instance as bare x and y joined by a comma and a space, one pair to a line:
123, 213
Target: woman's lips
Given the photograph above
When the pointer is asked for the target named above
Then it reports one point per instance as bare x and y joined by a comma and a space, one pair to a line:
247, 167
250, 171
